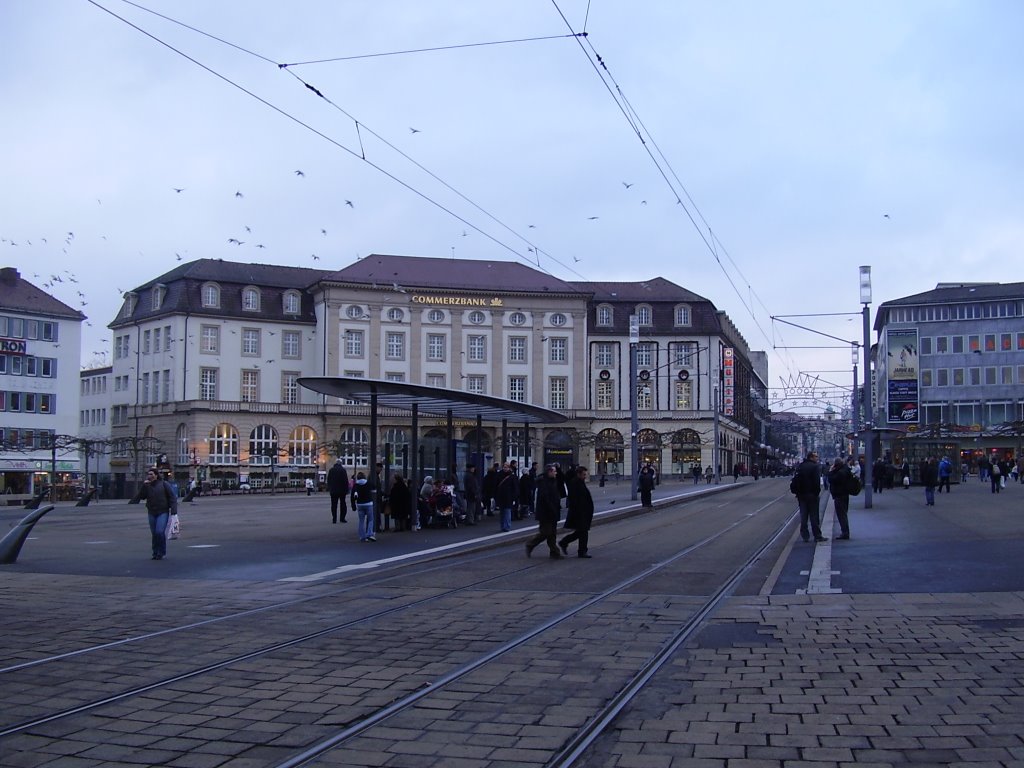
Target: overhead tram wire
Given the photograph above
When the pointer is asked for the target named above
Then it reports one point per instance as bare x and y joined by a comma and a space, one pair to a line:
647, 140
333, 141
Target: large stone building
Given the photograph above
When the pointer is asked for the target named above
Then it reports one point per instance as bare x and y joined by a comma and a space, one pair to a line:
949, 369
207, 358
40, 343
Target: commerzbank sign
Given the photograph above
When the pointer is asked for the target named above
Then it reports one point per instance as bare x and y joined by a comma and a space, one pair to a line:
451, 300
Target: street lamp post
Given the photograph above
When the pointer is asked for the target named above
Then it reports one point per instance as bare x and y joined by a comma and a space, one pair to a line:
865, 299
634, 339
854, 400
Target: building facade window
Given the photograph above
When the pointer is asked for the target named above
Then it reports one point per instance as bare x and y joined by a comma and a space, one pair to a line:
436, 380
558, 349
605, 315
354, 311
682, 316
558, 388
476, 317
353, 343
302, 447
436, 347
263, 446
435, 316
558, 319
146, 337
644, 398
209, 339
684, 395
289, 387
291, 344
251, 299
292, 303
517, 318
476, 384
476, 349
644, 315
645, 354
354, 448
211, 296
250, 342
604, 354
223, 444
396, 314
517, 388
394, 345
604, 395
517, 349
208, 383
250, 386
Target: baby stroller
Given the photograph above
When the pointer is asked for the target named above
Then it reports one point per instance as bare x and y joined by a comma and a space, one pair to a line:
443, 509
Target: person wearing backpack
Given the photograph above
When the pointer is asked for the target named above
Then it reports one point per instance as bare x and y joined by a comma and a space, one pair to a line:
161, 501
945, 471
840, 485
996, 473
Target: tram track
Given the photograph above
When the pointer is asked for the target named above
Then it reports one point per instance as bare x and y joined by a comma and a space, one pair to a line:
434, 683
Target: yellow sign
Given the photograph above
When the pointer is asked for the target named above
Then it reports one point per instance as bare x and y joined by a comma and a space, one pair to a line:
457, 301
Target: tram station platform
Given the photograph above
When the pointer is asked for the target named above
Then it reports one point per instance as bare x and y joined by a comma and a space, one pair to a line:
904, 644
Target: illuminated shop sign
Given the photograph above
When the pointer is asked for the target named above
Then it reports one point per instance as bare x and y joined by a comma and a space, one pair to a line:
728, 382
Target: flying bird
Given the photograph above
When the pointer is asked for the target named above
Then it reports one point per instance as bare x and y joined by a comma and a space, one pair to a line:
592, 218
531, 226
315, 257
575, 258
260, 245
235, 241
299, 173
885, 215
239, 194
643, 202
627, 185
179, 190
248, 230
178, 256
414, 130
350, 204
323, 232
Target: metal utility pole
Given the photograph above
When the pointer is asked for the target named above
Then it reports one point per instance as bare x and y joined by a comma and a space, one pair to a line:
865, 299
634, 428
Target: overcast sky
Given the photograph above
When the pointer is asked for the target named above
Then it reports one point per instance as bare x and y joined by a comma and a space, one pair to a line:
812, 137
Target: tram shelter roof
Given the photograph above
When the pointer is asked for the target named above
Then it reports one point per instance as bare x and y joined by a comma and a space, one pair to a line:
435, 401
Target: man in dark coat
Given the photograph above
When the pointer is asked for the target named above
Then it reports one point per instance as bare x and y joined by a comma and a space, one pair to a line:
487, 486
580, 513
929, 479
337, 486
806, 485
840, 479
645, 485
506, 495
549, 510
471, 487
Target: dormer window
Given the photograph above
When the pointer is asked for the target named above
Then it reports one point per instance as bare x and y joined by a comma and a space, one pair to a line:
159, 291
292, 303
211, 296
130, 300
605, 315
644, 314
683, 315
251, 299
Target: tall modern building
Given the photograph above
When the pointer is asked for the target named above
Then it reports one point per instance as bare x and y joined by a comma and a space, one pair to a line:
207, 358
949, 370
40, 343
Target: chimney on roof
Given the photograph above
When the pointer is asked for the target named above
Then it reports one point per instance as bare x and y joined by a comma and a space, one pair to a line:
9, 275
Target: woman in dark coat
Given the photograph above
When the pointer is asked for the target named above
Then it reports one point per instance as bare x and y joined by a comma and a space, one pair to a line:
400, 501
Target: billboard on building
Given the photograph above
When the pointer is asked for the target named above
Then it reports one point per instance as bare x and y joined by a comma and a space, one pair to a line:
902, 371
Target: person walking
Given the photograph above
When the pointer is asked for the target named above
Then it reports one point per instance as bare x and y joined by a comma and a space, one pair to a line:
696, 471
579, 514
806, 484
995, 473
337, 487
471, 489
309, 486
929, 479
362, 503
840, 480
709, 474
527, 490
160, 503
549, 511
945, 470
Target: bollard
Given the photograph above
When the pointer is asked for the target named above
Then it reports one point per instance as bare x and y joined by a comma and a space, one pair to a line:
10, 545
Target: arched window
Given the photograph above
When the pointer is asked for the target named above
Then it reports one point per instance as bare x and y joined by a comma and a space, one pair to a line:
682, 315
292, 303
398, 439
605, 314
609, 452
302, 448
687, 438
211, 295
223, 444
644, 316
558, 447
181, 442
251, 299
648, 438
485, 441
262, 445
354, 448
